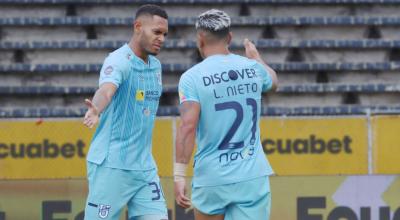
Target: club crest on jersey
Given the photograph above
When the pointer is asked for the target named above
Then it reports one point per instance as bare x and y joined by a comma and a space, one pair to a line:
104, 210
146, 111
159, 78
139, 95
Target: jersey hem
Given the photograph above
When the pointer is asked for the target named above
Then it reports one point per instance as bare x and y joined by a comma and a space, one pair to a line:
233, 181
123, 168
190, 100
108, 81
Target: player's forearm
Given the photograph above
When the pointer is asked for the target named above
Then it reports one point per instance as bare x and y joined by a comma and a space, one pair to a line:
183, 151
101, 99
184, 143
271, 72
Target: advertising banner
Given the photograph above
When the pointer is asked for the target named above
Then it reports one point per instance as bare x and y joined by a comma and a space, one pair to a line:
48, 149
293, 198
57, 148
316, 146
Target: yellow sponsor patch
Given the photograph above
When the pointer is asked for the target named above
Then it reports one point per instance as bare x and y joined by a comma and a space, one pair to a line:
139, 95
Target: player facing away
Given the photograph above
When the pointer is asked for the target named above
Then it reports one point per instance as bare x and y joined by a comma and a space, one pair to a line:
220, 107
121, 169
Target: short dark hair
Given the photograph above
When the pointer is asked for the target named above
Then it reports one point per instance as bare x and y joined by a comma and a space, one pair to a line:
151, 10
221, 34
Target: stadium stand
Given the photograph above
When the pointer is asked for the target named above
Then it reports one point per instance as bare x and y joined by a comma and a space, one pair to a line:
332, 56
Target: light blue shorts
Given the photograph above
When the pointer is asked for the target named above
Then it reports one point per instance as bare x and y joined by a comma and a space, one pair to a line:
247, 200
111, 189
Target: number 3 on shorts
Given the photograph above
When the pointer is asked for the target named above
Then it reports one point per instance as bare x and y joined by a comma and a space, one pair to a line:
156, 190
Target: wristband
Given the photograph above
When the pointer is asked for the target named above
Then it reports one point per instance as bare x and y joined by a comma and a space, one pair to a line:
179, 171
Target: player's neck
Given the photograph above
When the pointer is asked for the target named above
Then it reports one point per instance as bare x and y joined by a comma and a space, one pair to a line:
215, 50
137, 50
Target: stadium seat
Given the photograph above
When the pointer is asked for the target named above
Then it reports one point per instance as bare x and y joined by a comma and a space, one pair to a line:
305, 88
178, 67
173, 111
200, 1
189, 21
188, 44
355, 55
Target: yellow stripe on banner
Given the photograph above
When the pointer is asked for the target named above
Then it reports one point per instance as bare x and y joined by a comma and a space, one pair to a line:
162, 146
295, 146
57, 148
43, 149
316, 146
386, 144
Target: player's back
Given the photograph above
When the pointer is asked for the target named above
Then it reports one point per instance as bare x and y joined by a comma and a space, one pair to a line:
228, 88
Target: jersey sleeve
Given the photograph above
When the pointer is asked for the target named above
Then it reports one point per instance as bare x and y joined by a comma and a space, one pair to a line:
265, 76
187, 89
110, 72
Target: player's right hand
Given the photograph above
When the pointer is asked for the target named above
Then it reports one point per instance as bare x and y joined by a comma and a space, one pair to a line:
180, 194
251, 50
92, 115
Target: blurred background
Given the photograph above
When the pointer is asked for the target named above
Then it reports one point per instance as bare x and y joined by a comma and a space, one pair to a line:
331, 132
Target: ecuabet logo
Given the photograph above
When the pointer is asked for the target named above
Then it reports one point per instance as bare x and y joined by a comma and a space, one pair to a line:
104, 210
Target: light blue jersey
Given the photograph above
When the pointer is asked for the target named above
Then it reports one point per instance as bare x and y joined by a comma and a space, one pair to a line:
123, 137
228, 88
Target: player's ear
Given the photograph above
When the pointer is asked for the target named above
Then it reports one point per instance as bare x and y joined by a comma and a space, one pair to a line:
229, 37
200, 40
137, 26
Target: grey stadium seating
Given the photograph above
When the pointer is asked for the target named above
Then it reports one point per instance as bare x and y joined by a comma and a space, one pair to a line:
333, 57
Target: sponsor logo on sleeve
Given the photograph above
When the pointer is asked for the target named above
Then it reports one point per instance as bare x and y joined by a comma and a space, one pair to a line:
182, 96
108, 70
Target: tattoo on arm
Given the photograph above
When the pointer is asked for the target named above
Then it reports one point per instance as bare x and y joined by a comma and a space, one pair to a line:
185, 107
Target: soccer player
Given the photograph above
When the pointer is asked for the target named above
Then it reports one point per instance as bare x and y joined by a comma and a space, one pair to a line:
220, 106
121, 169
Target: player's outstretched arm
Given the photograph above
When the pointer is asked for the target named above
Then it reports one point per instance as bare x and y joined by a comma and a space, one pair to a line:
100, 101
185, 140
252, 53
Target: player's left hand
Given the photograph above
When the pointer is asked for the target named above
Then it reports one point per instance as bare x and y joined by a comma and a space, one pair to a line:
250, 50
92, 114
180, 194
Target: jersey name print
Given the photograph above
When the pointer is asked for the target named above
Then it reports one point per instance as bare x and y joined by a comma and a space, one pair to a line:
228, 88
